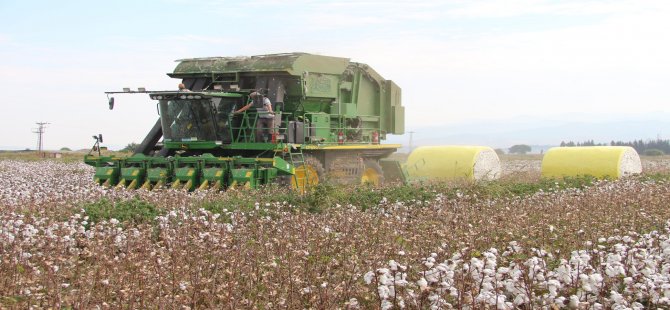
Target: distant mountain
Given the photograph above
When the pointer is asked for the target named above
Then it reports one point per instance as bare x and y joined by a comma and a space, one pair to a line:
539, 133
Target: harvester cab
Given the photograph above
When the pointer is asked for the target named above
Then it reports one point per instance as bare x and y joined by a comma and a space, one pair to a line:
197, 120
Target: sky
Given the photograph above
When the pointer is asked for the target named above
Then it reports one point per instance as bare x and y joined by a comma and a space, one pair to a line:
457, 62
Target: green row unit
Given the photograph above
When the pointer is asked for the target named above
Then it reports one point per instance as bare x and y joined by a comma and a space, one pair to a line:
193, 172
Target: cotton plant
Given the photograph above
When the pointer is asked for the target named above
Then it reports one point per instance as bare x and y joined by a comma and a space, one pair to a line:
627, 274
435, 254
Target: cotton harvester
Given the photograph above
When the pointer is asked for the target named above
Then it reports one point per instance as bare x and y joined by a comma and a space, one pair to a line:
330, 116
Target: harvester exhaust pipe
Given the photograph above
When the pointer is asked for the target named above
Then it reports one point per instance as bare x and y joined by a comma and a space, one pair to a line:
150, 140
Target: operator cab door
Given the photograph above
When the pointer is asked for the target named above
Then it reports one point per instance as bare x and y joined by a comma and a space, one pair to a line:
223, 108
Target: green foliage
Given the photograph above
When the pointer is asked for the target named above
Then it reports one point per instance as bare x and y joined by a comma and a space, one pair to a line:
653, 152
130, 147
519, 149
134, 211
65, 149
655, 177
364, 197
500, 152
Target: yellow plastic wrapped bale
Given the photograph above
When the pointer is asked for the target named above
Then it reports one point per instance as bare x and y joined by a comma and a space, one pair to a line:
453, 162
597, 161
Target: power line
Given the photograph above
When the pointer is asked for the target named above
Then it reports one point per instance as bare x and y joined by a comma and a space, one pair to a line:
40, 134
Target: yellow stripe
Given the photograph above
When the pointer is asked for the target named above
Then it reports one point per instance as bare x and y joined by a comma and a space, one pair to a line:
353, 147
204, 185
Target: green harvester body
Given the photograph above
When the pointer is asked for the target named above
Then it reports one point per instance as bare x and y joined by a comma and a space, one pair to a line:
329, 111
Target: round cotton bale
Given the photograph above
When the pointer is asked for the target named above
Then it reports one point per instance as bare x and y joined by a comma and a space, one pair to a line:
453, 162
597, 161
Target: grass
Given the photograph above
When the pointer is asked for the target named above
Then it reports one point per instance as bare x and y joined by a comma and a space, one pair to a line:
364, 197
130, 212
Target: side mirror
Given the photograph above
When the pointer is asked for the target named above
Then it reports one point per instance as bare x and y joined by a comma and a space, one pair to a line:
111, 103
100, 137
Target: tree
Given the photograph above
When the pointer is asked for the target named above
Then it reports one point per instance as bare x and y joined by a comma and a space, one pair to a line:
500, 152
130, 147
519, 149
65, 149
653, 152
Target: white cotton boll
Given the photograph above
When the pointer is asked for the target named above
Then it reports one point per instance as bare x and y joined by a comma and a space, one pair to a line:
618, 299
114, 221
637, 306
487, 287
385, 279
574, 302
559, 300
423, 284
352, 304
386, 305
383, 291
393, 265
596, 278
553, 286
520, 299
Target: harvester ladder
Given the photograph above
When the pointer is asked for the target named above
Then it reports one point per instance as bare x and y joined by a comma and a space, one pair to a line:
246, 132
297, 159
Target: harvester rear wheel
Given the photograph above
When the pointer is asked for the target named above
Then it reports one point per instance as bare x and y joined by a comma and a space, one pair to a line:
372, 173
308, 174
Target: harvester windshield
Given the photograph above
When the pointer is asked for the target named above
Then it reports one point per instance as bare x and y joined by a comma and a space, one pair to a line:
197, 120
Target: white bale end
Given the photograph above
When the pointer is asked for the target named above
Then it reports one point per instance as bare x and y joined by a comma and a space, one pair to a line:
629, 163
487, 165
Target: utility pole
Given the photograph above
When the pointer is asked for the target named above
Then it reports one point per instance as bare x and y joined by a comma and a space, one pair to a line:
40, 134
411, 136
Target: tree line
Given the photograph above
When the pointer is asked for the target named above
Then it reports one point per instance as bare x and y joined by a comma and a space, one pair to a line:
649, 147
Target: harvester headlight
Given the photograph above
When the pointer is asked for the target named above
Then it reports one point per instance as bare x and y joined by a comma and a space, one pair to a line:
197, 97
189, 97
182, 97
159, 97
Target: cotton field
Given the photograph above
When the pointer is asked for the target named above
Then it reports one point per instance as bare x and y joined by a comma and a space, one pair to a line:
606, 246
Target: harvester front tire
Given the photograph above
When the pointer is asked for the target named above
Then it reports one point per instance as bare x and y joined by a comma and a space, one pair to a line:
372, 173
310, 174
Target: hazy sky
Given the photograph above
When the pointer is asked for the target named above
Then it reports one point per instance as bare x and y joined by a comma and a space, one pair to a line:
456, 61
